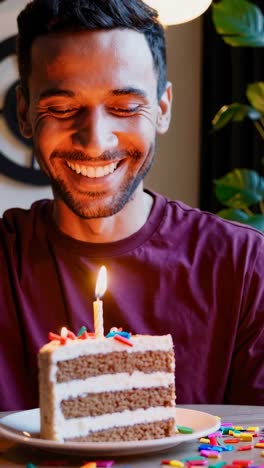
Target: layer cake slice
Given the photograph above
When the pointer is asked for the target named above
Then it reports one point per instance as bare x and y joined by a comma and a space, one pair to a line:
105, 390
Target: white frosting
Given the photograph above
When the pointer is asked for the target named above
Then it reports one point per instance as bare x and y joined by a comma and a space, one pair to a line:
77, 348
80, 427
111, 383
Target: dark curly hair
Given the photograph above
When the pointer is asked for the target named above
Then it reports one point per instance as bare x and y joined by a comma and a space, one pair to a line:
41, 17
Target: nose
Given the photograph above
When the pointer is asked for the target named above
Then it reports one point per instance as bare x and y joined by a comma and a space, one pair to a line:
94, 133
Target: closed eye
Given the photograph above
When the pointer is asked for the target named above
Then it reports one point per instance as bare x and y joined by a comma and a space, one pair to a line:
62, 111
124, 110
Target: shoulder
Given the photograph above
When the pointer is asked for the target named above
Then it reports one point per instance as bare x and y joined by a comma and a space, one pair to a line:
207, 220
19, 220
187, 224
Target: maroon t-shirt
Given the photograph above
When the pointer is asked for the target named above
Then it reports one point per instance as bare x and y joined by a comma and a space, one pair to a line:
185, 272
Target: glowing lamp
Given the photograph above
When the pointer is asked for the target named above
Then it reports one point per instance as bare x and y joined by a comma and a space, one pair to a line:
178, 11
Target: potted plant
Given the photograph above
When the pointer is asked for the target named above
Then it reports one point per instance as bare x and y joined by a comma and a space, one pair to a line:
241, 191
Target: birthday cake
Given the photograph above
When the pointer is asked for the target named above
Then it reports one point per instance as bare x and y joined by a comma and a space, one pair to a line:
115, 388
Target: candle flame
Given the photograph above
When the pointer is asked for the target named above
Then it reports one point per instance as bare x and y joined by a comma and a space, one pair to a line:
101, 283
64, 332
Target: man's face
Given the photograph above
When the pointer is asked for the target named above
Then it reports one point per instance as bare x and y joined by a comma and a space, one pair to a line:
93, 115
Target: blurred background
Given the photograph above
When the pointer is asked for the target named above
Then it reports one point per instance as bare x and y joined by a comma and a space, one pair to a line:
206, 74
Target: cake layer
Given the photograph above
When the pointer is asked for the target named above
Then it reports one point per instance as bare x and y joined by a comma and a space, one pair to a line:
155, 430
96, 404
82, 426
109, 383
113, 363
76, 348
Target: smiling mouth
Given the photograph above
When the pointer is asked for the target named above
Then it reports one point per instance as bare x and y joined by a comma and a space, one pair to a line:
93, 172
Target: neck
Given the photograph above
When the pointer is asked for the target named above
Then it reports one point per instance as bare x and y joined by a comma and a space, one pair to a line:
101, 230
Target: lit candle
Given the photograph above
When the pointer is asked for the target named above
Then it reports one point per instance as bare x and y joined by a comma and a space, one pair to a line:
100, 289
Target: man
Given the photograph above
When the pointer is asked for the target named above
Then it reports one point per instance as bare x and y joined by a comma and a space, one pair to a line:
94, 96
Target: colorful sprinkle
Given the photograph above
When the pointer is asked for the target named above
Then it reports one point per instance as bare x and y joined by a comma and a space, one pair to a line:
176, 463
54, 336
184, 429
218, 465
213, 440
123, 340
246, 437
232, 441
84, 336
210, 454
216, 448
111, 334
232, 466
81, 331
198, 466
243, 448
242, 462
71, 335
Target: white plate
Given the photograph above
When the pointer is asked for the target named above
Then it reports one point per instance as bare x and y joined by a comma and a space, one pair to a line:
23, 427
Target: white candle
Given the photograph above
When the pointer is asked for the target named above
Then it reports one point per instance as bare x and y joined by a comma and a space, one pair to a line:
101, 285
98, 318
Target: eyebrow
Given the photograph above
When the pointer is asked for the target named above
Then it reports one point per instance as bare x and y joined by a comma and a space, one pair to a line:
52, 92
129, 91
56, 92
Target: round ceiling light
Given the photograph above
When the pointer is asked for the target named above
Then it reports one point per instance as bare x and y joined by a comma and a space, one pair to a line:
178, 11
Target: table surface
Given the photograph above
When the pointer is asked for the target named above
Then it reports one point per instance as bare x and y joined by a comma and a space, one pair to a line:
13, 456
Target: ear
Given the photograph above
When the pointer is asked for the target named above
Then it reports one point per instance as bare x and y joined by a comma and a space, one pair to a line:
23, 113
164, 111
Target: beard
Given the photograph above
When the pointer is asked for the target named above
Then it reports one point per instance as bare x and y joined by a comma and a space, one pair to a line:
92, 204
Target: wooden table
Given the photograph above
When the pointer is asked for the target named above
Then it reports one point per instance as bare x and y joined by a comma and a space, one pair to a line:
13, 456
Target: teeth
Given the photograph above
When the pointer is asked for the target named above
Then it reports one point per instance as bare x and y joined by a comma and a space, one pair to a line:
99, 172
83, 171
91, 171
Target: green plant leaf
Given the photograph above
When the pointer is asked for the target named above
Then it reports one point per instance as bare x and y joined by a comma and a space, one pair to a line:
256, 221
239, 22
255, 95
234, 215
235, 112
240, 188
